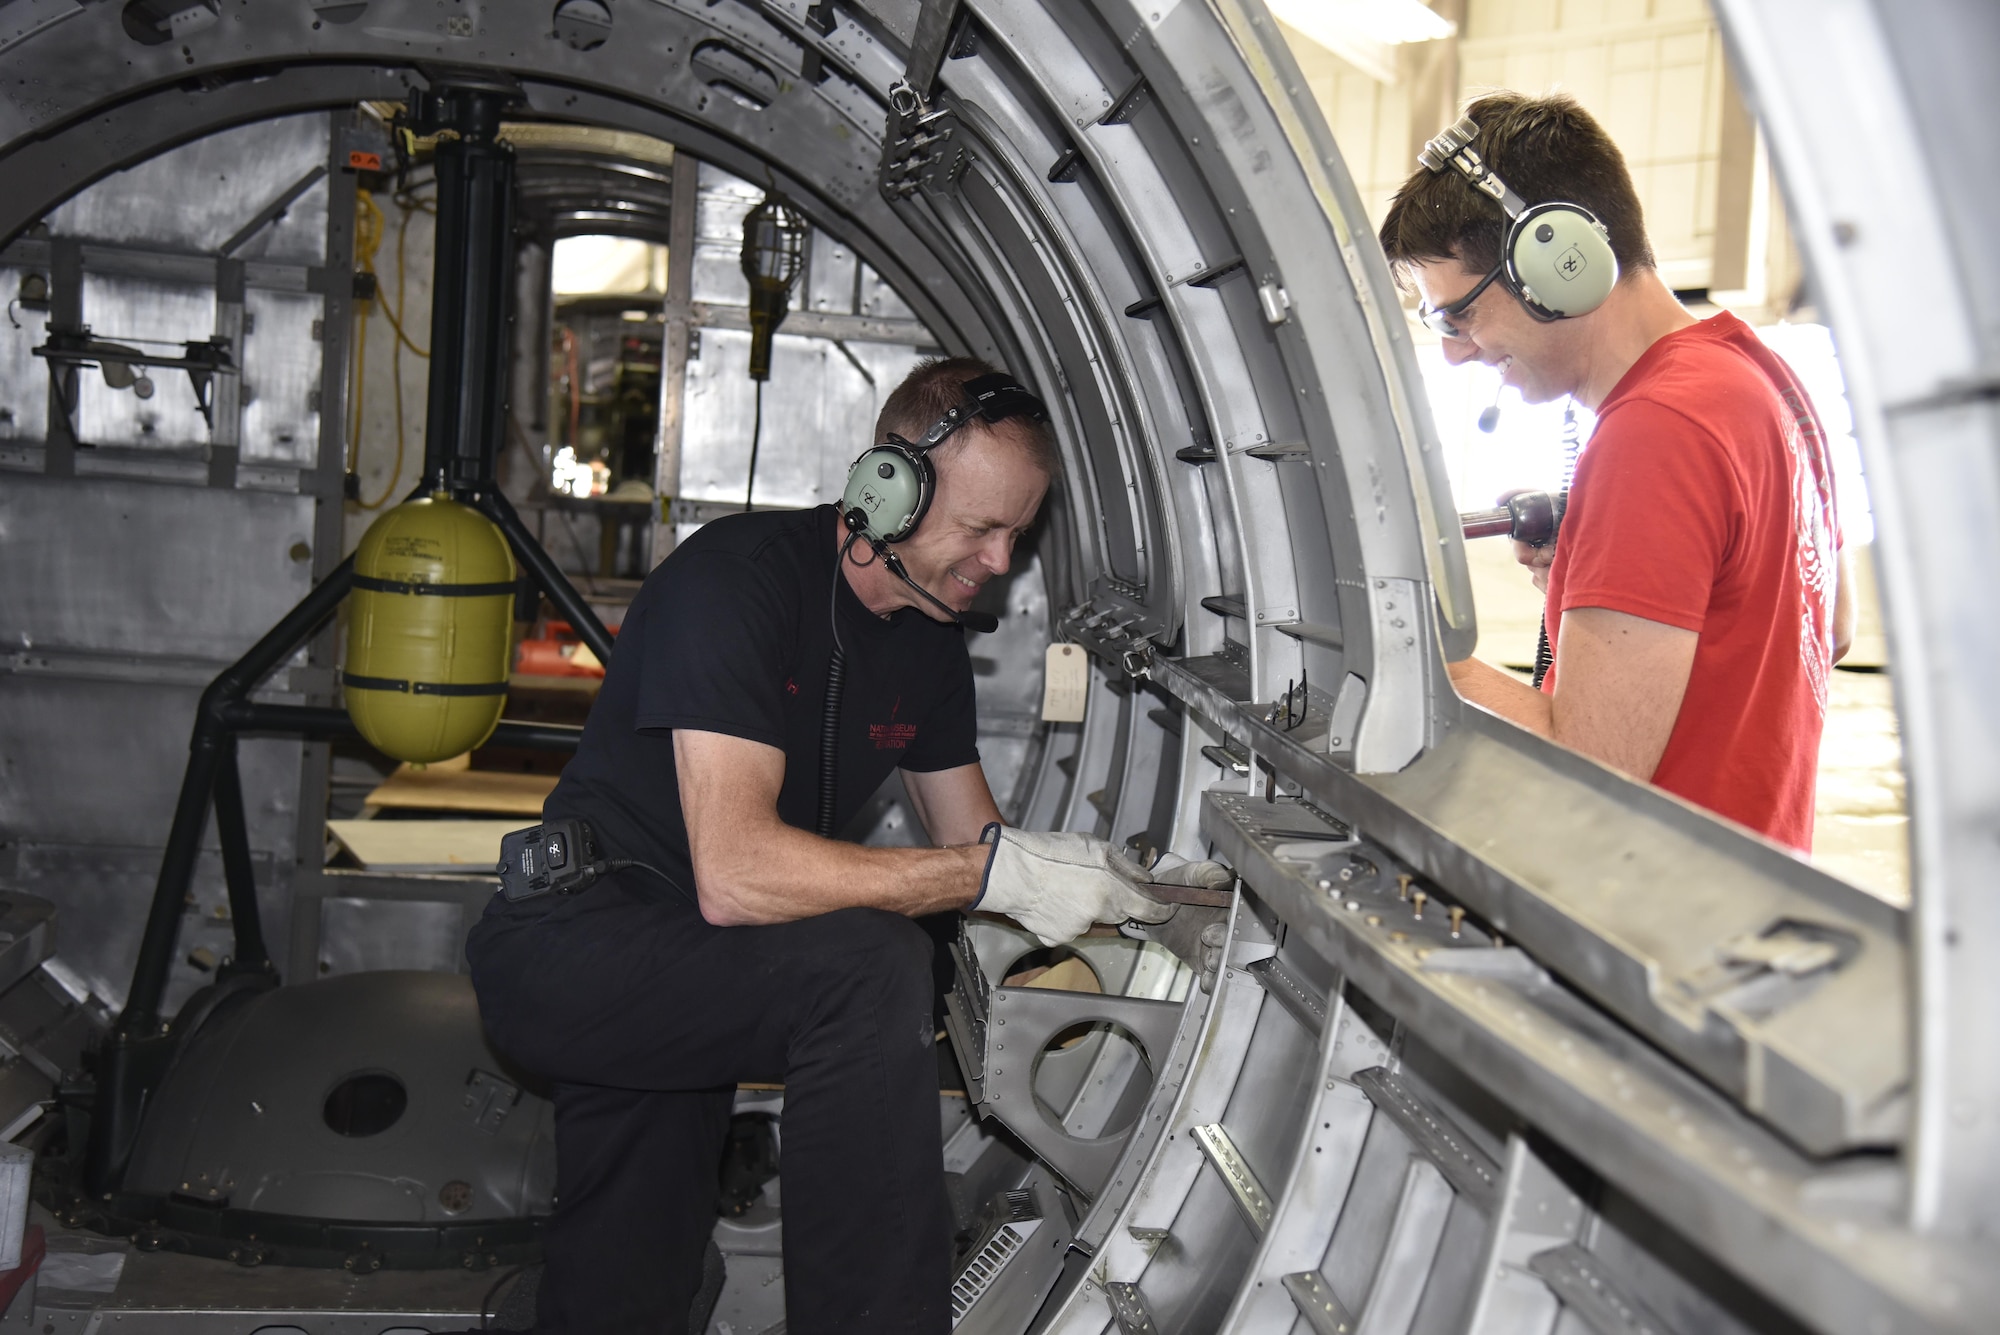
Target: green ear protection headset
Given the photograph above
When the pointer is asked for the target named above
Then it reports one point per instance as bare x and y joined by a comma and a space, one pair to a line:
890, 486
1556, 257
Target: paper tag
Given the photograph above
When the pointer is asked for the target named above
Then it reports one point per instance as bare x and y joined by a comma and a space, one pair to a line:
1065, 684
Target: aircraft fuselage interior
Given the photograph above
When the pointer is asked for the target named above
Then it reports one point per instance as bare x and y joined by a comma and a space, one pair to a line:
1487, 1038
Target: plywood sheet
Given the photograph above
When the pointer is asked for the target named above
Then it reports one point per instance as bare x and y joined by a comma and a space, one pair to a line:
423, 845
451, 785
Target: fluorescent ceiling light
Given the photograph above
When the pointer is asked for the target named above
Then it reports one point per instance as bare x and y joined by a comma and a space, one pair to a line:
1391, 22
1364, 32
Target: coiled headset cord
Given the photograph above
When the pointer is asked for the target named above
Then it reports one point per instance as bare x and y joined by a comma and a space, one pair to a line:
829, 723
1572, 440
829, 744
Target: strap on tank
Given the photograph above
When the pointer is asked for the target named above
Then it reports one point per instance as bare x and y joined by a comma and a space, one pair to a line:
373, 585
424, 687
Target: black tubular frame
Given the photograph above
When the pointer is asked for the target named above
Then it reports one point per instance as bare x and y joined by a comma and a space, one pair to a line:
467, 420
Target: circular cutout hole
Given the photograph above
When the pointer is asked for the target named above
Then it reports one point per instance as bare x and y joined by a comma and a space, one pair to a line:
366, 1104
1055, 967
1091, 1079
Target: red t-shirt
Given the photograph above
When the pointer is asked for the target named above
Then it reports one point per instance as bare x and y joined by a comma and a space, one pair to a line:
1705, 501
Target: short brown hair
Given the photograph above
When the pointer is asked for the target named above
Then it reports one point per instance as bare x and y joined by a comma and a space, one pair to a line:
1546, 148
936, 386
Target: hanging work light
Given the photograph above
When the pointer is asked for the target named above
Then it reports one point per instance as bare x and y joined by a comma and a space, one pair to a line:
774, 239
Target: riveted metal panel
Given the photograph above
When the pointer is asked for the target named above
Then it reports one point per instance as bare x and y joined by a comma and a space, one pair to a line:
194, 198
130, 568
281, 378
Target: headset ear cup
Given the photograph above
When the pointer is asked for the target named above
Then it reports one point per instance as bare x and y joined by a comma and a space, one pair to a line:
1560, 261
891, 485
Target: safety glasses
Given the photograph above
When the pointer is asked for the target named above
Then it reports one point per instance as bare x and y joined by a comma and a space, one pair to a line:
1439, 318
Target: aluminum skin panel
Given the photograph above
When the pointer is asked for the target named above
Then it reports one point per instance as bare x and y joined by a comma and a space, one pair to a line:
280, 384
194, 198
101, 891
193, 573
808, 439
155, 317
24, 412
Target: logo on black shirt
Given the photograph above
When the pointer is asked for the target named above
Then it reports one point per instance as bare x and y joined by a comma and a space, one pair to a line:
892, 736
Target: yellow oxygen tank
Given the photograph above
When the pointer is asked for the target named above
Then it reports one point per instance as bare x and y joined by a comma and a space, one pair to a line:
430, 630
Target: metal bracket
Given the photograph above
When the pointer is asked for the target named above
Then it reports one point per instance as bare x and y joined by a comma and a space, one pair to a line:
1316, 1303
1293, 996
73, 349
1129, 1310
1579, 1280
1244, 1188
1470, 1171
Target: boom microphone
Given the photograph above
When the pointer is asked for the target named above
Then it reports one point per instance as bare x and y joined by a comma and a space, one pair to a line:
983, 622
1489, 416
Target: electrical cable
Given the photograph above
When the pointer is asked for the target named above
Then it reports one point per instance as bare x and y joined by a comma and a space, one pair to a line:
410, 205
410, 208
368, 226
620, 864
833, 591
756, 437
487, 1310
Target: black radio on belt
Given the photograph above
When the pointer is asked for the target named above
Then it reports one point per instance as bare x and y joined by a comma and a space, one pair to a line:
557, 856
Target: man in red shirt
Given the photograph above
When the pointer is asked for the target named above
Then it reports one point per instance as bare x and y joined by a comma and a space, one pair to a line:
1695, 599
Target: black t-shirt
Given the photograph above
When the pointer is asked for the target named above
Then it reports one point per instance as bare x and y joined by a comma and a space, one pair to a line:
732, 634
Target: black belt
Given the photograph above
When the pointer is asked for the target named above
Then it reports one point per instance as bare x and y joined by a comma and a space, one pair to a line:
373, 585
424, 687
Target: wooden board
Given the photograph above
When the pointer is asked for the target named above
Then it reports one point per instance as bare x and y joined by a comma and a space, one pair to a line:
452, 785
423, 845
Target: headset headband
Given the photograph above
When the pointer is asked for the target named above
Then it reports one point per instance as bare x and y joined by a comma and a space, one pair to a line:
1453, 148
992, 399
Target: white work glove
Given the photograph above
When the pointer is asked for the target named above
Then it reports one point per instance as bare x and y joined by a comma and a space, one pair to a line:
1173, 869
1057, 884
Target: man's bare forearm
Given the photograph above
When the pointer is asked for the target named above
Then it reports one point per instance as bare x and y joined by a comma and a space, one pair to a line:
1504, 694
778, 873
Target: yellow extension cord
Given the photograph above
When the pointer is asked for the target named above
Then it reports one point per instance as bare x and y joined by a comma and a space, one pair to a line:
369, 229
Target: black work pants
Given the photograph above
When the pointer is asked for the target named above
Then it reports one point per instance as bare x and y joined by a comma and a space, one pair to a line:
645, 1018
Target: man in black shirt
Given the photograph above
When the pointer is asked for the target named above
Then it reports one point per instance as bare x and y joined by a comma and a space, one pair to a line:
761, 951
